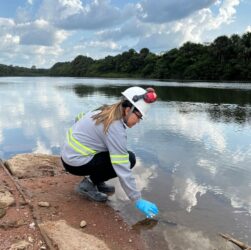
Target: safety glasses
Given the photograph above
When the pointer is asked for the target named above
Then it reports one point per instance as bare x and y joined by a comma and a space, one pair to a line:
138, 115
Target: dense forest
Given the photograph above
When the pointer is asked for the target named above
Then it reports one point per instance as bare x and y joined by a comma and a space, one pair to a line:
22, 71
226, 58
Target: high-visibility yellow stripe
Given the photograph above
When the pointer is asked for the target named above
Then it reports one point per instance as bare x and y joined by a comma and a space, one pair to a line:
79, 116
74, 147
81, 145
119, 162
120, 156
71, 138
119, 159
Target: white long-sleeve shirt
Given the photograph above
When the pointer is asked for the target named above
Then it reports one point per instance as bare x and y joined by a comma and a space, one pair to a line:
93, 137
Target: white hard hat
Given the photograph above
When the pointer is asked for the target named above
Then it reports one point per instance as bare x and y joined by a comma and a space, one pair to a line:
136, 96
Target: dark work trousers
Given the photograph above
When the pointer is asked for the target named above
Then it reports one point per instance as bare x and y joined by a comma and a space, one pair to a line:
99, 168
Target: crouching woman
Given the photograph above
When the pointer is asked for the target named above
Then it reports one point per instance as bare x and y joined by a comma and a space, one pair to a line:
96, 147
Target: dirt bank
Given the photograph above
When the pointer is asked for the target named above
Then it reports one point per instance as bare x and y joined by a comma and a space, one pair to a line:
34, 178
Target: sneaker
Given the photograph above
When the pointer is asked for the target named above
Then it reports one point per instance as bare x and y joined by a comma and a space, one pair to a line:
105, 188
88, 189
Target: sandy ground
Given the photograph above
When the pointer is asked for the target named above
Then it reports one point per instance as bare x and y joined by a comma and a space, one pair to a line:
21, 218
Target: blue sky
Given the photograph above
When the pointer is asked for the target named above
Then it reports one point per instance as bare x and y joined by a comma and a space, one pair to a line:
43, 32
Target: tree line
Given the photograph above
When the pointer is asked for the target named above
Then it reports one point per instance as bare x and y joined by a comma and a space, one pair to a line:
10, 70
226, 58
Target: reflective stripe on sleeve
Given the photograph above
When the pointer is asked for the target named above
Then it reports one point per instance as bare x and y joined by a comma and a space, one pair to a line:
119, 159
77, 146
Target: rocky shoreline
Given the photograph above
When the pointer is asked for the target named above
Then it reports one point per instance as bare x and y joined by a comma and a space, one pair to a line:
40, 210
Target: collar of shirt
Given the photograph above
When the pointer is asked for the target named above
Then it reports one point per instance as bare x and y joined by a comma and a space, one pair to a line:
124, 124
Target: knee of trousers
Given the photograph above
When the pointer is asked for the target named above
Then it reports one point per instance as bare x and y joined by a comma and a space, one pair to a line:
132, 158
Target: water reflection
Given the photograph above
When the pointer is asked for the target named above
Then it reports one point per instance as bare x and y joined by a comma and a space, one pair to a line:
145, 224
183, 238
229, 105
187, 192
178, 94
193, 151
110, 91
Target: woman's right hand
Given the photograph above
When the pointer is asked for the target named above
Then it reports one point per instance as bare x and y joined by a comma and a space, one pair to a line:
147, 207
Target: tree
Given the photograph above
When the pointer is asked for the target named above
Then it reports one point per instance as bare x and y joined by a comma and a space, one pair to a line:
221, 47
80, 65
144, 52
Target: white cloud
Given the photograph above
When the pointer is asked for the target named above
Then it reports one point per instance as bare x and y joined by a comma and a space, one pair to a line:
133, 28
160, 27
248, 29
34, 42
58, 9
9, 40
159, 42
74, 15
39, 32
95, 49
97, 44
226, 15
6, 23
227, 10
41, 56
167, 11
162, 35
193, 28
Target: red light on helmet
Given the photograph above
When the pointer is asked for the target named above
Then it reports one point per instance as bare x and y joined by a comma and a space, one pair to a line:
149, 97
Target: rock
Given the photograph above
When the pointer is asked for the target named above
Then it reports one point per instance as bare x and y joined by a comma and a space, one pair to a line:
44, 204
32, 225
30, 239
83, 223
59, 235
34, 165
6, 198
2, 212
21, 245
8, 224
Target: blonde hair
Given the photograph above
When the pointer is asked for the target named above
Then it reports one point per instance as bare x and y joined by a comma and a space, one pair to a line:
108, 114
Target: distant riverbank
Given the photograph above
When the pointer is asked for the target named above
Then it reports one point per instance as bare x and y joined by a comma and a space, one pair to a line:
225, 59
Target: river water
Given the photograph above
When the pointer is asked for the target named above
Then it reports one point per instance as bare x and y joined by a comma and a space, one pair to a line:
193, 150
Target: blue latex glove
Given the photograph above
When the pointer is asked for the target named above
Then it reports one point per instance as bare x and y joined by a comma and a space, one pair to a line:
147, 207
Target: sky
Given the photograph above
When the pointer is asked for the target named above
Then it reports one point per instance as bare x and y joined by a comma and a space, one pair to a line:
43, 32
